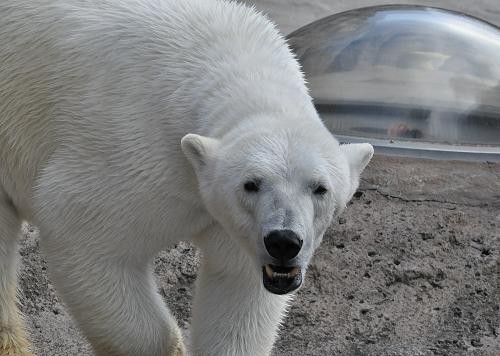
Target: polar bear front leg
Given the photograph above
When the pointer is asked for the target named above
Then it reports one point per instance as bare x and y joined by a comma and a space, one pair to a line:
233, 314
114, 302
13, 339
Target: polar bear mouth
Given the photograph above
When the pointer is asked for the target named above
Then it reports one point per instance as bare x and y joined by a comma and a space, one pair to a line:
280, 279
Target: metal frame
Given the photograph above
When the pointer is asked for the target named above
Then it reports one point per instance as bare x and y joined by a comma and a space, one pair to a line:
427, 149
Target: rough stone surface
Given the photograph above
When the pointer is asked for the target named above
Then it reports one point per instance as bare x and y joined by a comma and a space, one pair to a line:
401, 276
407, 270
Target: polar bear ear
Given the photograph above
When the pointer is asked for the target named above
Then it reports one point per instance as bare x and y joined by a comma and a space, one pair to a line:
198, 149
358, 155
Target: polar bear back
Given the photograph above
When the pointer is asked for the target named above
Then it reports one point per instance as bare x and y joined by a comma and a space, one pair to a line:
113, 75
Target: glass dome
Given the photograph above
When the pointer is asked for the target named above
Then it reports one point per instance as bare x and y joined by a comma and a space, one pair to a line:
409, 79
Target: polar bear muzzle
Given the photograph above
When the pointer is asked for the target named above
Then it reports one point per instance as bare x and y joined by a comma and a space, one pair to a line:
283, 246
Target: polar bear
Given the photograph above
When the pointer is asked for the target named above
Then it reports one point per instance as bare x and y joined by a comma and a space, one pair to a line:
129, 125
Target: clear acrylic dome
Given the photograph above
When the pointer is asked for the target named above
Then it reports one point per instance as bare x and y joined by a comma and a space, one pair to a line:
406, 78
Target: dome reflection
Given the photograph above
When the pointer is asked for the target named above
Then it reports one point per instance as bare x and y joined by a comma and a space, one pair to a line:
407, 75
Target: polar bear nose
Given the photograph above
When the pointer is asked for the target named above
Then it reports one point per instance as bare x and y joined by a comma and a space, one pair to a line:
283, 244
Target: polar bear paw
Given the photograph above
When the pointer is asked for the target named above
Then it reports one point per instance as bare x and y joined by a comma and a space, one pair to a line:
178, 349
13, 342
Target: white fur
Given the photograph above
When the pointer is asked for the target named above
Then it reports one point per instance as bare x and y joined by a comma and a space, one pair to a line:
95, 97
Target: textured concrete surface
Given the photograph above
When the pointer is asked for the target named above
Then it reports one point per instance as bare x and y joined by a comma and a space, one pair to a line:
411, 267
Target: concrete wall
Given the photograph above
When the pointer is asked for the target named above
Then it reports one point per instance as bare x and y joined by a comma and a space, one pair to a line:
292, 14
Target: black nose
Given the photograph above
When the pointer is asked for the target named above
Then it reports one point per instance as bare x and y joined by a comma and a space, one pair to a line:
283, 244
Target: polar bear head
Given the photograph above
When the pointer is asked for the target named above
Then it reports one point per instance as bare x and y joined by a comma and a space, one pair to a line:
276, 192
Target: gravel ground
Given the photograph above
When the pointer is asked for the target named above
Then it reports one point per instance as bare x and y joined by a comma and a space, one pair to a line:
411, 267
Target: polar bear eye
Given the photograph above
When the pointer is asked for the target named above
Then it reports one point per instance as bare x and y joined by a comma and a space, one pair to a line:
320, 190
251, 186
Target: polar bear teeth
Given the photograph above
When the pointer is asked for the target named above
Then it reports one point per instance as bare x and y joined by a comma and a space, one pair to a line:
295, 271
273, 274
269, 271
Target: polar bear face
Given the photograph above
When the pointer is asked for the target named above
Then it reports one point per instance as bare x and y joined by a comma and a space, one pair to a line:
276, 193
